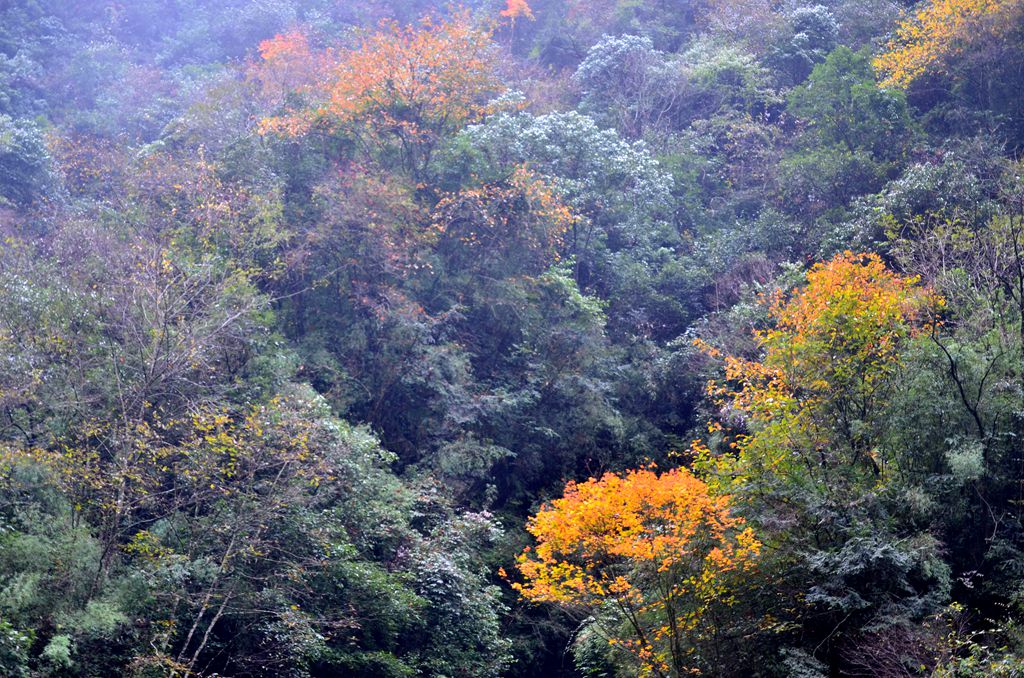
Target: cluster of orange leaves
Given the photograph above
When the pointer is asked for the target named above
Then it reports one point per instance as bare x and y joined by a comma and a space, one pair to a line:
609, 539
411, 80
287, 65
943, 28
515, 9
847, 323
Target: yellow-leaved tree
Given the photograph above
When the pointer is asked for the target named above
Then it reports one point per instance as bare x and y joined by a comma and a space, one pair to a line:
647, 557
940, 30
813, 405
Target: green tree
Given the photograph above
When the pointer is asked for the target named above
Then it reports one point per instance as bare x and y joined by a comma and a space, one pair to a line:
24, 163
856, 135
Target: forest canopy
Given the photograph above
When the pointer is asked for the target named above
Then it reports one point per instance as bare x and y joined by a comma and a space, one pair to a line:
511, 338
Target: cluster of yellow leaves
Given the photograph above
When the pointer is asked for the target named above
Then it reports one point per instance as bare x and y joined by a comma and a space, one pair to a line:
204, 212
943, 28
834, 345
660, 547
228, 454
413, 81
206, 457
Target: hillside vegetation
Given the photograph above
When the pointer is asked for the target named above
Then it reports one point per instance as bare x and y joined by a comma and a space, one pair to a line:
512, 339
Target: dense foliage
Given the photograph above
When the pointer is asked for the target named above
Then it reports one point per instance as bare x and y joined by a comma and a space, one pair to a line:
515, 338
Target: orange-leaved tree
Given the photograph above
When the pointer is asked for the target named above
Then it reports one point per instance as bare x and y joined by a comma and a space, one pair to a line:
515, 9
402, 88
940, 30
815, 400
648, 556
288, 67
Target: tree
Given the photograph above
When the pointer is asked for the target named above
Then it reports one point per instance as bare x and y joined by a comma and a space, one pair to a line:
627, 83
24, 163
754, 22
277, 530
288, 67
969, 376
844, 107
515, 9
807, 438
621, 200
811, 404
402, 90
815, 34
943, 28
648, 555
666, 22
519, 224
856, 134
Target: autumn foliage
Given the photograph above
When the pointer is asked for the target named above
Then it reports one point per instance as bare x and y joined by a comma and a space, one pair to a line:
943, 28
826, 364
515, 9
287, 65
657, 547
409, 85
